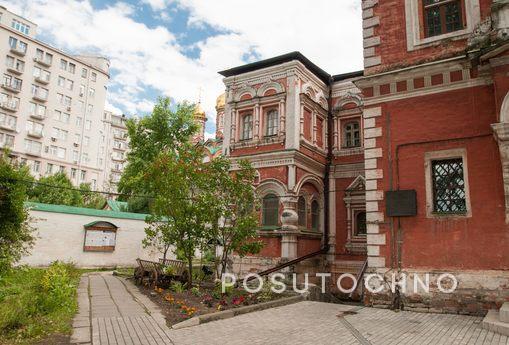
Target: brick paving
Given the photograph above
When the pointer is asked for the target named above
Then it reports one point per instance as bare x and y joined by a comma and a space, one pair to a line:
114, 312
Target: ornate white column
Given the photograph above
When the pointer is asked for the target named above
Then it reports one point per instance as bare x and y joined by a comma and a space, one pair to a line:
501, 133
282, 117
314, 128
233, 128
256, 129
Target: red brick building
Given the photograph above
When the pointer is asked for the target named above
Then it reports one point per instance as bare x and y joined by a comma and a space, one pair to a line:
430, 114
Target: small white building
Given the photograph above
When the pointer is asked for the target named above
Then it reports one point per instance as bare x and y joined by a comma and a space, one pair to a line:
89, 238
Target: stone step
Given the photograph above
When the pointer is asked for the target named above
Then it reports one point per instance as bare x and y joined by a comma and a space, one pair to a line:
492, 323
504, 312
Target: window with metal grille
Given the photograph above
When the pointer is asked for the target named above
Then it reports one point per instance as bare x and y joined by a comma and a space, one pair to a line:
272, 122
301, 211
315, 215
352, 135
360, 223
270, 210
442, 16
448, 186
247, 127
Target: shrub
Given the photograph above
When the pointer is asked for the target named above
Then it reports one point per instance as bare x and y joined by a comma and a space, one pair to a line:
177, 286
196, 291
59, 283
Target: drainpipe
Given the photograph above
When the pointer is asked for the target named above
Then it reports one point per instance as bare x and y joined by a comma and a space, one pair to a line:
328, 164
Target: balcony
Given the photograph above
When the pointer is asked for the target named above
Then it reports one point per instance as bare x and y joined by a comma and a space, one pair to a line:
33, 152
43, 62
8, 126
38, 116
10, 86
35, 134
18, 50
117, 159
119, 148
40, 96
15, 69
42, 80
9, 105
120, 136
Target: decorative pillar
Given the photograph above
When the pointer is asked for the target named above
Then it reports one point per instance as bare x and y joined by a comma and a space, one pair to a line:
501, 133
332, 217
289, 228
313, 126
301, 117
257, 129
282, 117
233, 131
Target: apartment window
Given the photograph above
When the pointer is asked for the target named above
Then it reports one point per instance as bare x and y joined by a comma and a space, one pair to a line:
360, 223
63, 65
18, 45
36, 167
6, 140
70, 85
82, 90
15, 64
21, 27
62, 117
442, 16
49, 168
86, 141
247, 127
91, 92
10, 101
88, 125
315, 215
351, 134
272, 122
37, 109
79, 121
61, 81
301, 211
67, 101
39, 92
60, 133
90, 108
41, 74
270, 210
58, 152
93, 76
33, 147
8, 121
34, 128
84, 72
73, 173
43, 57
72, 68
100, 162
83, 174
39, 54
77, 138
84, 157
12, 82
75, 155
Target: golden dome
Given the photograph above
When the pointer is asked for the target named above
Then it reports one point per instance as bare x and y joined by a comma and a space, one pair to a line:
221, 100
199, 112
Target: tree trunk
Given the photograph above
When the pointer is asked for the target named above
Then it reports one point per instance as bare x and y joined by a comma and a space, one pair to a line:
190, 275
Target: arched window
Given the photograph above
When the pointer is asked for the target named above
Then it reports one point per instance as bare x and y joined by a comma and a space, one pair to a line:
270, 210
301, 211
247, 127
315, 215
272, 119
360, 223
352, 134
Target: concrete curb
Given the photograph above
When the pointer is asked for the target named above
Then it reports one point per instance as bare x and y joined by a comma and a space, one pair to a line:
197, 320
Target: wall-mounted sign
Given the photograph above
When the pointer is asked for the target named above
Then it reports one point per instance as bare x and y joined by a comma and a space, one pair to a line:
100, 237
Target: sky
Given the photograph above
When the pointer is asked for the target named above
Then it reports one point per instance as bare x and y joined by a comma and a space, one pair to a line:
175, 48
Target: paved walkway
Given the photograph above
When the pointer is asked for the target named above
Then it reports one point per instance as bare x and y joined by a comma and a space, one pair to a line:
113, 312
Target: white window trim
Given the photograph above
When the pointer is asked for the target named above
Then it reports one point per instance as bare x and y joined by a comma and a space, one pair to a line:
442, 155
413, 24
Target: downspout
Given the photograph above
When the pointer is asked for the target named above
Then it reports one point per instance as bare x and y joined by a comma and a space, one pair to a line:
328, 164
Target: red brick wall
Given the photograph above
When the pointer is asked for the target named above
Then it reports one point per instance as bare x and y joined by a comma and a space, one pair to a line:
479, 242
393, 41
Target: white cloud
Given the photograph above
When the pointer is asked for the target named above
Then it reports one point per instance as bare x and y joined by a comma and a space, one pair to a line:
150, 58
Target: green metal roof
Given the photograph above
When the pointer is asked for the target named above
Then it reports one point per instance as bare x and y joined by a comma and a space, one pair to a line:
84, 211
117, 206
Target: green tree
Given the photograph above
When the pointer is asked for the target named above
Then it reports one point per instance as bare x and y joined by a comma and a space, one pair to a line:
232, 200
16, 236
90, 198
56, 189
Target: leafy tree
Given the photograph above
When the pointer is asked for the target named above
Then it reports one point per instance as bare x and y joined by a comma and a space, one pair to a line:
56, 189
234, 218
91, 199
16, 236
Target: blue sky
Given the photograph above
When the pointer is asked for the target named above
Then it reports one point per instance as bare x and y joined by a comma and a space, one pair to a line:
175, 47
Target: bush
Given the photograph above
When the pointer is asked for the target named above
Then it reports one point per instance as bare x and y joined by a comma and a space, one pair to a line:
37, 302
177, 287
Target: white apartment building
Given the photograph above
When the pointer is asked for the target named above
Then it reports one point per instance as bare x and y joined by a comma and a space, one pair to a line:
115, 147
51, 105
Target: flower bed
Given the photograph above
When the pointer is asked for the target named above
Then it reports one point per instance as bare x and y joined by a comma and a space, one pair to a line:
178, 304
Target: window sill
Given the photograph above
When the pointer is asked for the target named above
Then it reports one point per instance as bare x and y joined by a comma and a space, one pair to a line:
438, 215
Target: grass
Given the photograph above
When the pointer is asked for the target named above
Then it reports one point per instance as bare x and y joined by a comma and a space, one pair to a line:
36, 303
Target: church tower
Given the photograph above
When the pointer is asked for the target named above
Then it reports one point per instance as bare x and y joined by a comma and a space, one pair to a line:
200, 118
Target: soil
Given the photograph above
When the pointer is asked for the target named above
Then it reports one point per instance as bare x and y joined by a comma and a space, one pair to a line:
171, 302
56, 339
